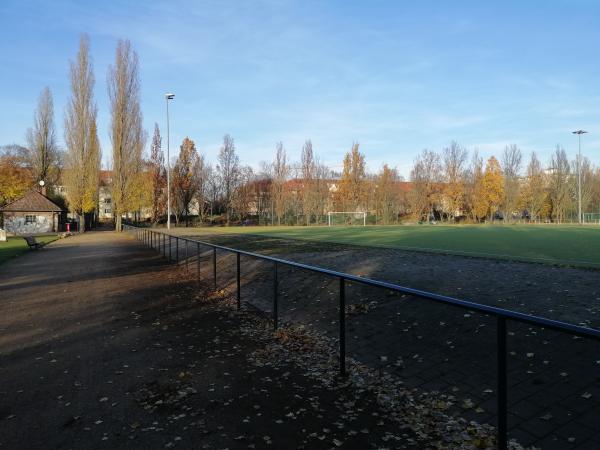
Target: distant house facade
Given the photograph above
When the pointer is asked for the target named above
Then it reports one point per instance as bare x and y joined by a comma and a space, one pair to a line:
105, 206
32, 214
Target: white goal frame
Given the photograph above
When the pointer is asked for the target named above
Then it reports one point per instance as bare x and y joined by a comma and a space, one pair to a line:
330, 213
591, 217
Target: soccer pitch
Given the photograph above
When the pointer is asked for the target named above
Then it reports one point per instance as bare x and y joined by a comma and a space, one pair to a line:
566, 244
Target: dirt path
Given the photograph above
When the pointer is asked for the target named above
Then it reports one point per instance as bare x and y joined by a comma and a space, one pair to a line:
102, 345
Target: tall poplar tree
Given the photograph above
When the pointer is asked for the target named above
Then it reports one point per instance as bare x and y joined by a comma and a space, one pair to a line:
81, 137
126, 133
42, 149
158, 177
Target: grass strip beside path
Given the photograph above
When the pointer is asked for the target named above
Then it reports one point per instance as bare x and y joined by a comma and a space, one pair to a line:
16, 246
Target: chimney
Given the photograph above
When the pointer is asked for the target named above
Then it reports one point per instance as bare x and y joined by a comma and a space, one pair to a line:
44, 191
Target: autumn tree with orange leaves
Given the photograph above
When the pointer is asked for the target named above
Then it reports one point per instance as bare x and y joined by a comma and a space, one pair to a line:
15, 177
352, 184
185, 177
493, 186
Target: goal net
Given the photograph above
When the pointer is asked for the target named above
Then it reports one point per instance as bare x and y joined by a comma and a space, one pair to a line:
591, 218
347, 218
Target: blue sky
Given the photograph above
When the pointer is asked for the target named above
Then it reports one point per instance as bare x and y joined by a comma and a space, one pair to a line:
394, 76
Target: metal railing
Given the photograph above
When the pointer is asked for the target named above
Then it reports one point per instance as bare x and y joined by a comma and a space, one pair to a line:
158, 240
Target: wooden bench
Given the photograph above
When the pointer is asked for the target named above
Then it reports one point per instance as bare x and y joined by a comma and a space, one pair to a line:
33, 244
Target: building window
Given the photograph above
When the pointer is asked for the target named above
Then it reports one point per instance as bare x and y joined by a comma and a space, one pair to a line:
107, 201
30, 219
107, 211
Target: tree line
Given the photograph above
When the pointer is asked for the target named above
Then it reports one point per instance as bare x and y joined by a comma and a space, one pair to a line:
453, 185
450, 185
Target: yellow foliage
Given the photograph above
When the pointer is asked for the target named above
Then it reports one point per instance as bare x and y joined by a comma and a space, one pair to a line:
15, 180
352, 189
493, 185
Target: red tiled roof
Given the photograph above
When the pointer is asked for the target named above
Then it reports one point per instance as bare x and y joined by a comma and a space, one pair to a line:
105, 177
33, 201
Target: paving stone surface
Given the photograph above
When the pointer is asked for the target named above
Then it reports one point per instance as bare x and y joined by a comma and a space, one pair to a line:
554, 379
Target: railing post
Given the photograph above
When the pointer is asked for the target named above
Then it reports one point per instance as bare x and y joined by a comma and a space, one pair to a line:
170, 249
342, 327
215, 267
239, 293
177, 250
502, 384
275, 302
198, 260
187, 264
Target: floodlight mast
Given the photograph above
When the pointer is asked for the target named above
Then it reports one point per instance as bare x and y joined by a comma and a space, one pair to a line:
168, 97
579, 133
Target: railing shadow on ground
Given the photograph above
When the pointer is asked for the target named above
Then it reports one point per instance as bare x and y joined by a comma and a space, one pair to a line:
541, 385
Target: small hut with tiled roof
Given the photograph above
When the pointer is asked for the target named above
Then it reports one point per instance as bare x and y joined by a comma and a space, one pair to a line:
32, 214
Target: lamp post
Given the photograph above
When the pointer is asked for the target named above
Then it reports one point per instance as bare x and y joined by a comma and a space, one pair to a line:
579, 133
167, 98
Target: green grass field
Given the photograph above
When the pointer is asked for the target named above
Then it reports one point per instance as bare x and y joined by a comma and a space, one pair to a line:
16, 246
568, 244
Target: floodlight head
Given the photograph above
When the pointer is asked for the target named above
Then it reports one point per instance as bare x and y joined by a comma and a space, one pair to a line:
169, 96
579, 132
42, 183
